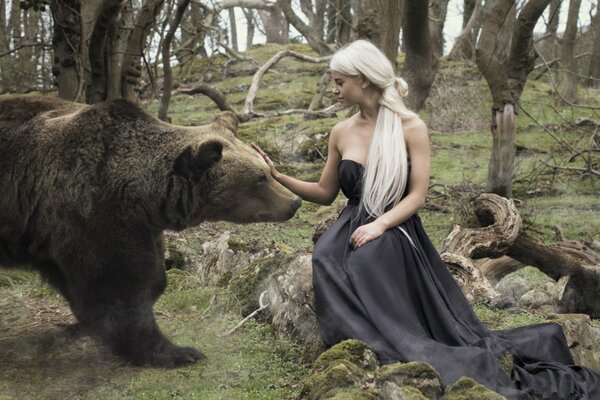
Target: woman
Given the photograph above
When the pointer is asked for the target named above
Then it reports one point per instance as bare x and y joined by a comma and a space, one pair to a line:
376, 275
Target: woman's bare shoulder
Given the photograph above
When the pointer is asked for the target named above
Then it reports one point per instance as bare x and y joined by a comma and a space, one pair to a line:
415, 129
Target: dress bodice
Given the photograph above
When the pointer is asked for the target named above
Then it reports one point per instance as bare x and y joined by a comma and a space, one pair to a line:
350, 178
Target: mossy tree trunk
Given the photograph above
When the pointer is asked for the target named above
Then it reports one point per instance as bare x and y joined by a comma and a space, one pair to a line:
506, 74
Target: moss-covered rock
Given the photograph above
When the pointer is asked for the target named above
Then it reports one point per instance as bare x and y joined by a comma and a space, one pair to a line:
417, 374
251, 282
469, 389
391, 391
351, 350
351, 394
325, 383
348, 364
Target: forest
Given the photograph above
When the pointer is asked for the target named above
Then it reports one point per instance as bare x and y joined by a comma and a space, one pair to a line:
510, 92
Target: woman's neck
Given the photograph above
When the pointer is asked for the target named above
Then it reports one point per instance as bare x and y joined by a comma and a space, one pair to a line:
369, 108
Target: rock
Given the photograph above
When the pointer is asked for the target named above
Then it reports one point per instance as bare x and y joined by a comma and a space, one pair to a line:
417, 374
352, 394
535, 298
513, 287
468, 389
582, 337
349, 364
391, 391
528, 287
291, 303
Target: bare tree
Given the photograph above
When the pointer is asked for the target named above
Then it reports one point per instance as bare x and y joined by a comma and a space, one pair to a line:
506, 77
420, 65
275, 23
464, 44
316, 41
233, 28
553, 19
568, 88
437, 19
249, 14
166, 57
594, 67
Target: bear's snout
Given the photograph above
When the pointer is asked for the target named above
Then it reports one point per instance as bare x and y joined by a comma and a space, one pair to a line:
295, 206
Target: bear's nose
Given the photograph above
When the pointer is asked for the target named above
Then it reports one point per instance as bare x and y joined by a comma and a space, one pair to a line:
296, 205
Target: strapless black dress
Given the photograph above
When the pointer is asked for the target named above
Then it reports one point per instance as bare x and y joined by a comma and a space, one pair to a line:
396, 294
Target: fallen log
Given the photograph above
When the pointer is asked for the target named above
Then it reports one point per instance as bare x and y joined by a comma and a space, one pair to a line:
574, 265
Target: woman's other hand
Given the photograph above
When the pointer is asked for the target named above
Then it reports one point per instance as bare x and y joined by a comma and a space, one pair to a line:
274, 172
365, 233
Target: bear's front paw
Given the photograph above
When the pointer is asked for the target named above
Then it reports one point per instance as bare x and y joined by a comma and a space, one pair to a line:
175, 356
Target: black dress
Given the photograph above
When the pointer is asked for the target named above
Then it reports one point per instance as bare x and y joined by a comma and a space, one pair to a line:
396, 294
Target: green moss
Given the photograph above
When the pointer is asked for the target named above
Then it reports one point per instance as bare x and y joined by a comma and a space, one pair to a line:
414, 370
468, 389
417, 374
504, 319
323, 384
351, 350
351, 394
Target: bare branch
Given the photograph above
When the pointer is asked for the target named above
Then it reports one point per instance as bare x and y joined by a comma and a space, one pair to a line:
249, 103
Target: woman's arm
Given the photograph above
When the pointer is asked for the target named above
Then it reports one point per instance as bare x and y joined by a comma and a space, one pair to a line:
417, 143
322, 192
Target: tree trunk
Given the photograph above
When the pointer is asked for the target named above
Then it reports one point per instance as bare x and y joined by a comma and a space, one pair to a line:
315, 41
438, 10
131, 70
553, 19
233, 28
464, 45
506, 77
501, 166
420, 65
249, 13
568, 89
101, 62
594, 68
68, 67
275, 24
166, 57
392, 19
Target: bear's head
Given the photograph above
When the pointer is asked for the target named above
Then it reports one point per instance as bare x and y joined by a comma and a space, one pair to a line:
231, 180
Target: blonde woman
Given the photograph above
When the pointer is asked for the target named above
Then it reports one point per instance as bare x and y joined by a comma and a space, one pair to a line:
376, 275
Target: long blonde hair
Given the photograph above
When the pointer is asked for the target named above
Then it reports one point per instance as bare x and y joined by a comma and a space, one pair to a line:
386, 171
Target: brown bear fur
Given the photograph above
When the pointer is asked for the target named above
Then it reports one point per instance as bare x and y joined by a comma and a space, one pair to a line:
87, 190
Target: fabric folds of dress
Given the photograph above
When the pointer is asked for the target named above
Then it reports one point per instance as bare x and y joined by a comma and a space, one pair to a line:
396, 294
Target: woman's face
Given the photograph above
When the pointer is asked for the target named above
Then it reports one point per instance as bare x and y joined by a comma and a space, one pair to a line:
347, 89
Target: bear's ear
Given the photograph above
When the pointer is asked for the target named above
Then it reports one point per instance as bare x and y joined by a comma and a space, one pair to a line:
227, 119
193, 163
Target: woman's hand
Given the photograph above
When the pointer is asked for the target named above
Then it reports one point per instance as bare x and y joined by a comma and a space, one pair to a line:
365, 233
274, 172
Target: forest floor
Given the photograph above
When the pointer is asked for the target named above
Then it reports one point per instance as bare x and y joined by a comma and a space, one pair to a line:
43, 355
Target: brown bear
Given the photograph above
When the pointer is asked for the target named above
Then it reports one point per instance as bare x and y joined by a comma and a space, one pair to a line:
87, 190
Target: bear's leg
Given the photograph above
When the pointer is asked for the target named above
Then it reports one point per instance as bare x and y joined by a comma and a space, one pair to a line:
115, 294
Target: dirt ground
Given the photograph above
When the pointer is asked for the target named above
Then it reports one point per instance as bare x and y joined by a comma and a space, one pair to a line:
44, 353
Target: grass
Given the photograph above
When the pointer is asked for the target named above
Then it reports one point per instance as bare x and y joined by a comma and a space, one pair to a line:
251, 363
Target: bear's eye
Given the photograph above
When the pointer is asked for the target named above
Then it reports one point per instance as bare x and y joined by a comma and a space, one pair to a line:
261, 180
